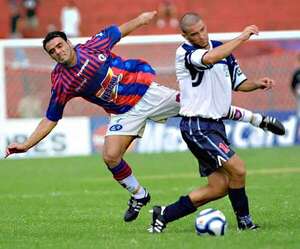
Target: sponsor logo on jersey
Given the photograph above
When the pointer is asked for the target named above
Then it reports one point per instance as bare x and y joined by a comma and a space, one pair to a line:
83, 67
109, 87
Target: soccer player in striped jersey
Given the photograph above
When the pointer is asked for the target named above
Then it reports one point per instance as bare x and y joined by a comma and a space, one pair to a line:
124, 88
207, 73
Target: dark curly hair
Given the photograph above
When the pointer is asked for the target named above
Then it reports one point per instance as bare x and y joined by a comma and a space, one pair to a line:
52, 35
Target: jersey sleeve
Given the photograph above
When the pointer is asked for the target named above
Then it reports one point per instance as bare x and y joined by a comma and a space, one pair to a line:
236, 74
295, 80
56, 106
195, 58
105, 39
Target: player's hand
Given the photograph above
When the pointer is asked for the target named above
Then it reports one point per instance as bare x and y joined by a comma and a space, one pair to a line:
265, 83
146, 17
248, 32
15, 148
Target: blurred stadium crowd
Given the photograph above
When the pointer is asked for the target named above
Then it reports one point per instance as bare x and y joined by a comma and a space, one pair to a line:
27, 70
33, 18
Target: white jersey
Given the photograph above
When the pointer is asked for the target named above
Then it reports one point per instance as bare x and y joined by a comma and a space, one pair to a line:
205, 90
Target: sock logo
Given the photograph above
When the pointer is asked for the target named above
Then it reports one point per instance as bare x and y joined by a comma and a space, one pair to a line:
237, 114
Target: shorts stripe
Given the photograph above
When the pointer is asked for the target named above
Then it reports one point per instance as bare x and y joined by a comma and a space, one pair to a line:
211, 142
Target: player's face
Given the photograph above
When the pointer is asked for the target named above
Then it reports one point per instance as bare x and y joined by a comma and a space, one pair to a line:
197, 34
61, 51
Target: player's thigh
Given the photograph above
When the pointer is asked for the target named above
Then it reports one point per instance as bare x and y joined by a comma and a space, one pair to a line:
127, 124
164, 102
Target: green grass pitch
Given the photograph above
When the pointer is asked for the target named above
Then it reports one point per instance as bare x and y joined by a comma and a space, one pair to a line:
74, 203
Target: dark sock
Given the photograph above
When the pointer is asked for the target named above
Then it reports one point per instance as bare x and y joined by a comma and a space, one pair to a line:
121, 171
178, 209
239, 201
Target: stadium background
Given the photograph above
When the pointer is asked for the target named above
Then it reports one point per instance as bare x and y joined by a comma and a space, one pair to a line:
221, 16
27, 69
276, 59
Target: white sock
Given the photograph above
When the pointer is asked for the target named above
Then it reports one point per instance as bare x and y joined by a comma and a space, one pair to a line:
256, 119
141, 193
244, 115
131, 184
240, 114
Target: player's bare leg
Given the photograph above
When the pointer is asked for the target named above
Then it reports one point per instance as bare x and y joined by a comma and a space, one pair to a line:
236, 170
217, 187
114, 148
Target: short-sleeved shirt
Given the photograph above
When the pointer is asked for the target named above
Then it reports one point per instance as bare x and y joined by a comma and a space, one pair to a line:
100, 77
205, 90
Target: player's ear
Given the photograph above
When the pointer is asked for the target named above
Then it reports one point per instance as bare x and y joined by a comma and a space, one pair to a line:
69, 43
184, 35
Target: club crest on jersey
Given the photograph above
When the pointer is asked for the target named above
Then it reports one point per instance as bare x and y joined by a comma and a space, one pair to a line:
102, 57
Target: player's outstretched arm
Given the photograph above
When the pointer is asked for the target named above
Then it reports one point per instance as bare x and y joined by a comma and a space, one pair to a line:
137, 22
221, 52
251, 85
41, 131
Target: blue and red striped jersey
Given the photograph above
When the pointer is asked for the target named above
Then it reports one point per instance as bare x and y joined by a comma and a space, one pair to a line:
100, 77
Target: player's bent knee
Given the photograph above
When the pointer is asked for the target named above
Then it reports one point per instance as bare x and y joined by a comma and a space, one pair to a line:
239, 172
236, 169
111, 159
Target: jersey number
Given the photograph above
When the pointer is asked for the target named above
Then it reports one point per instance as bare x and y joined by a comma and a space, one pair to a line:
196, 78
196, 75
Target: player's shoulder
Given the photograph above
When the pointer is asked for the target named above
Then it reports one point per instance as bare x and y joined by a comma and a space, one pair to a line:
56, 74
55, 70
104, 33
58, 68
184, 48
180, 50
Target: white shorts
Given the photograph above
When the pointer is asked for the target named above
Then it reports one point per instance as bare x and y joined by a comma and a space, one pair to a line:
158, 104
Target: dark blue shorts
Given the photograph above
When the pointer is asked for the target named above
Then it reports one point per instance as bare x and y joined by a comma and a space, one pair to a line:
207, 140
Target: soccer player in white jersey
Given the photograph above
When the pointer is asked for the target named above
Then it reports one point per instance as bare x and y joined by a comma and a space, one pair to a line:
207, 72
